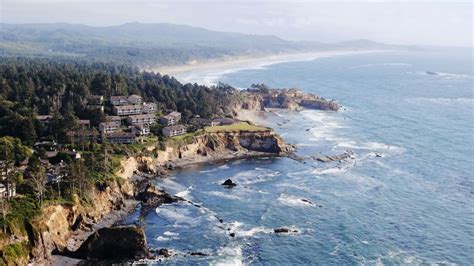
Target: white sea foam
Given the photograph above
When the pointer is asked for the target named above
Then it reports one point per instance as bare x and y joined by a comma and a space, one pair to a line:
168, 233
185, 194
290, 200
223, 195
441, 100
241, 230
370, 146
229, 255
253, 176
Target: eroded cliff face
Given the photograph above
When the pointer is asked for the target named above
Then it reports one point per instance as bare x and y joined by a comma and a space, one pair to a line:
212, 146
54, 228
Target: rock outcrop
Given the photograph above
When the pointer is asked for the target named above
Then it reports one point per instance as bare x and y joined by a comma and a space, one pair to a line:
261, 97
116, 244
223, 145
153, 197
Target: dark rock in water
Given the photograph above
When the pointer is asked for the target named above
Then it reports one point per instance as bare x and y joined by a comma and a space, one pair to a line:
378, 154
164, 252
307, 201
198, 254
118, 243
221, 220
229, 183
284, 230
232, 234
152, 196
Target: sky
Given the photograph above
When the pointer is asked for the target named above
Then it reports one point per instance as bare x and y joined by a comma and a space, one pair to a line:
445, 23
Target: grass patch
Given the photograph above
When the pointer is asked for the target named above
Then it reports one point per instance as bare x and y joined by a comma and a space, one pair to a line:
242, 126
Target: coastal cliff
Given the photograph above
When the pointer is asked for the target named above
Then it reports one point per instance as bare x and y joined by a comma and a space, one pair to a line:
260, 97
210, 147
63, 228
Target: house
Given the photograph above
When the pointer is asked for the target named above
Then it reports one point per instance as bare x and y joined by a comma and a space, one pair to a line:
170, 119
118, 100
128, 109
223, 121
120, 137
109, 127
175, 130
145, 119
141, 130
149, 108
134, 99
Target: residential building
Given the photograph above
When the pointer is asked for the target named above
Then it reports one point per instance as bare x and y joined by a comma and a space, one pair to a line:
128, 109
149, 108
145, 119
118, 100
120, 137
109, 127
141, 130
170, 119
135, 99
175, 130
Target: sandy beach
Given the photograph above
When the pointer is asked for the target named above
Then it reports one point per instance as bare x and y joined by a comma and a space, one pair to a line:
208, 72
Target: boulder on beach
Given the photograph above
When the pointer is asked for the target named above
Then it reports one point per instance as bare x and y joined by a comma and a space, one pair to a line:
117, 243
229, 183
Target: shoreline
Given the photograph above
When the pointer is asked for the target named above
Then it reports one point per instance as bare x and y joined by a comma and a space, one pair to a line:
207, 72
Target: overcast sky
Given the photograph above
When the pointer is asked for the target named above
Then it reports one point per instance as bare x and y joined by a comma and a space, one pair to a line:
401, 22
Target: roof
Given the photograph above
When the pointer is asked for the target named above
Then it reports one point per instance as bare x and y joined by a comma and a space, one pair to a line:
172, 115
111, 118
132, 106
118, 97
142, 116
135, 96
175, 127
84, 122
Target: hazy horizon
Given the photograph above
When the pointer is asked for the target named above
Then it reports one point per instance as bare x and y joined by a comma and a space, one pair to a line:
423, 23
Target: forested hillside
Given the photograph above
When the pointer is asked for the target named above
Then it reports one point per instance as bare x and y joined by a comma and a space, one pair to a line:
147, 45
30, 87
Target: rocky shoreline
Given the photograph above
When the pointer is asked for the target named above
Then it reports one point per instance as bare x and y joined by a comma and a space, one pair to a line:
74, 232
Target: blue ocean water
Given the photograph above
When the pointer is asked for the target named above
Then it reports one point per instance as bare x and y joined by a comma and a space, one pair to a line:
405, 197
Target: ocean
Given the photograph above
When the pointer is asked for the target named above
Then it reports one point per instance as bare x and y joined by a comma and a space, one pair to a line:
404, 197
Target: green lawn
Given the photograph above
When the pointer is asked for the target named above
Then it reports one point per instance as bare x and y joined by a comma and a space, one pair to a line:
242, 126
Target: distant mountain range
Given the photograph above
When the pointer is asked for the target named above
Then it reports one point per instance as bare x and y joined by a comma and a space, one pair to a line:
148, 45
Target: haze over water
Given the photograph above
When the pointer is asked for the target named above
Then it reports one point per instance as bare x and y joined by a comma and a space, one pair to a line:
406, 196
